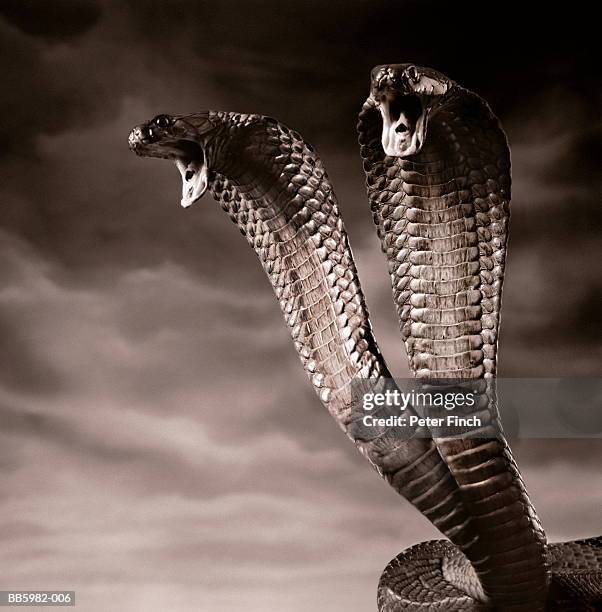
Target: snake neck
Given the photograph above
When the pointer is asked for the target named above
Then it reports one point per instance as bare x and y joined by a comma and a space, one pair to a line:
442, 217
283, 203
274, 187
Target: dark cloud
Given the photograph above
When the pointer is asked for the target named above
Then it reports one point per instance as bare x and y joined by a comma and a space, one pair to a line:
45, 92
56, 20
20, 366
58, 431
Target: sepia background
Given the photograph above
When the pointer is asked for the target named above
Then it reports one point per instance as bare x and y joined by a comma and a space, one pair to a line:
160, 446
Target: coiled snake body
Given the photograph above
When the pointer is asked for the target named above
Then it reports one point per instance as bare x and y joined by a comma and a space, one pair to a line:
437, 167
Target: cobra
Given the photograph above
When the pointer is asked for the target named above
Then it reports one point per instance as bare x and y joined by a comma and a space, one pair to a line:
438, 179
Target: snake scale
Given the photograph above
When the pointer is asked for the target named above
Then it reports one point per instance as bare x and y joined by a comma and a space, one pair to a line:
438, 180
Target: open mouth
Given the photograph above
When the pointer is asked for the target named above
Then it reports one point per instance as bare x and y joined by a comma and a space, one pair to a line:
189, 158
404, 123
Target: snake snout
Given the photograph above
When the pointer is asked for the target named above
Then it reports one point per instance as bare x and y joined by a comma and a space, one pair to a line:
389, 78
138, 137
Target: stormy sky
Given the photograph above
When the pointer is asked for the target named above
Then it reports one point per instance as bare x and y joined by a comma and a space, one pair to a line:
159, 442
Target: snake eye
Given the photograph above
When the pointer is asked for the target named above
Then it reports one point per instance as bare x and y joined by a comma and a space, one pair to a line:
163, 121
412, 74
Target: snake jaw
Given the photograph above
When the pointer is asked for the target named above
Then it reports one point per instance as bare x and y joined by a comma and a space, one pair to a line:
194, 180
404, 124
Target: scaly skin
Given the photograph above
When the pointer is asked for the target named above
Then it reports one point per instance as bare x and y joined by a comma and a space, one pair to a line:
425, 577
441, 210
274, 187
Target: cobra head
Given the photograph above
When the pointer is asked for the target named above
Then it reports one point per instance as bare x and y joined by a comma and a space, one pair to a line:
405, 95
182, 139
